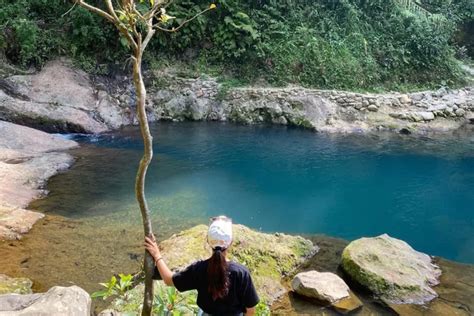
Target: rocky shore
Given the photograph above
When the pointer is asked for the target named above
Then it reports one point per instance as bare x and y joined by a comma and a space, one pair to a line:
79, 103
28, 158
369, 276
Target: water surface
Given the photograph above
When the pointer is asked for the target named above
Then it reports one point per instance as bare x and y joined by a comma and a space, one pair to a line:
280, 179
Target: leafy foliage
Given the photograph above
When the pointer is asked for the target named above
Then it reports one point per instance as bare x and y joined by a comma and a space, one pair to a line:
168, 301
113, 287
350, 44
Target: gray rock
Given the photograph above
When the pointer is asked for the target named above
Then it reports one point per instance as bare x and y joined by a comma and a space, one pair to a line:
324, 286
437, 107
460, 112
372, 108
66, 105
392, 269
422, 116
404, 99
58, 301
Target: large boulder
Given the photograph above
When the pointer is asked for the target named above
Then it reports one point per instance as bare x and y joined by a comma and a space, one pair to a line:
269, 257
58, 301
60, 99
10, 285
391, 269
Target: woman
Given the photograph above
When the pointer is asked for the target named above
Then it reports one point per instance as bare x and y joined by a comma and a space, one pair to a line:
224, 287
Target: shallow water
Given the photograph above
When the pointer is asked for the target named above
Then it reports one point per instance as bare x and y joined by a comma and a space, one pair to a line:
279, 179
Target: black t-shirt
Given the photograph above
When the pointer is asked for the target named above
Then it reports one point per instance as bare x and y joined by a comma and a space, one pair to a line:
242, 293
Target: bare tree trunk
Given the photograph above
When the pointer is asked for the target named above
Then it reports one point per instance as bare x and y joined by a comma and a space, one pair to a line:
149, 265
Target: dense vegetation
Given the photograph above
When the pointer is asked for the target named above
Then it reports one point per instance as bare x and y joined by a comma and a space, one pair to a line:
350, 44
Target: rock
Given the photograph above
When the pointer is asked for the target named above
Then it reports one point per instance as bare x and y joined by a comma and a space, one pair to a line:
269, 257
66, 105
27, 141
326, 288
460, 112
14, 285
348, 305
16, 221
391, 269
404, 99
323, 286
405, 131
437, 107
58, 301
372, 108
281, 120
422, 116
27, 159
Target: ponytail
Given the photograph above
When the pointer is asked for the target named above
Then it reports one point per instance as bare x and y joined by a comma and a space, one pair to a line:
217, 275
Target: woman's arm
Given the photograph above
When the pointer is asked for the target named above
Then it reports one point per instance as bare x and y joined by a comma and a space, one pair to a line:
250, 311
165, 272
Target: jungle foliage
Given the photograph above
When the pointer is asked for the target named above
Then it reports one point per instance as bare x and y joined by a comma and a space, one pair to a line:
348, 44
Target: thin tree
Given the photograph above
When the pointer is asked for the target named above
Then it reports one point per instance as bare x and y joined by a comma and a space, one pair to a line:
137, 22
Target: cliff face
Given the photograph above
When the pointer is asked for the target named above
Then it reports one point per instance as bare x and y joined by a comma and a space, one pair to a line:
61, 99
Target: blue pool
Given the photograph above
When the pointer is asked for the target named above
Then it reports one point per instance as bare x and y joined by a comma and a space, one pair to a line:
417, 189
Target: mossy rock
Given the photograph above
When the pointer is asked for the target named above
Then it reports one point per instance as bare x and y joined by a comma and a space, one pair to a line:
391, 269
269, 257
15, 285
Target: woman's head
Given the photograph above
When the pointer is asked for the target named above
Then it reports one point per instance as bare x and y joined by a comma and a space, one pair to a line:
219, 237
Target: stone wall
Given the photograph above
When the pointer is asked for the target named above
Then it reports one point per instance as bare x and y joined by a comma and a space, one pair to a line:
204, 98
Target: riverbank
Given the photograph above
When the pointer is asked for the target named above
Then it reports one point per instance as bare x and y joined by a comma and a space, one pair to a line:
79, 103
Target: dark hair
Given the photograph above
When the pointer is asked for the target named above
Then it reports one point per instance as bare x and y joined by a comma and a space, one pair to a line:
217, 275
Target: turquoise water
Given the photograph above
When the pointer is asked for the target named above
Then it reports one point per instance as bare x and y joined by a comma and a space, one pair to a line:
286, 180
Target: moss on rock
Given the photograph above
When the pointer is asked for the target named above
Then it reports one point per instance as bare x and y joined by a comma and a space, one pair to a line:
391, 269
269, 257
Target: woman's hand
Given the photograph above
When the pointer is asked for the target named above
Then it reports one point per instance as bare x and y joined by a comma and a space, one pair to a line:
152, 247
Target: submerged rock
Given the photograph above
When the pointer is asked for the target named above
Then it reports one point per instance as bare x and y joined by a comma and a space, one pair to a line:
391, 269
14, 285
58, 301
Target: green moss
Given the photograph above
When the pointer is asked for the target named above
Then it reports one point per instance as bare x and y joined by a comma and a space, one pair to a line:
269, 257
372, 281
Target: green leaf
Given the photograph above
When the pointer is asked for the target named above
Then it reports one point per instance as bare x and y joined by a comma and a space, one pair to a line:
99, 294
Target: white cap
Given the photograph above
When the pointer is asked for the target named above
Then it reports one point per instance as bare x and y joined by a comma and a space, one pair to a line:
220, 232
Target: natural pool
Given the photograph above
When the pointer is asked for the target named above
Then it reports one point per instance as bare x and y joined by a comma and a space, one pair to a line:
289, 180
266, 177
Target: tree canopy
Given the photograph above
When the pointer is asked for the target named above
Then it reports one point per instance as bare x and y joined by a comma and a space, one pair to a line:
348, 44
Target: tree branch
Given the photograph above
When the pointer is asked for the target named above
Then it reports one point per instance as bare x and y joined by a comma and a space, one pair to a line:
149, 35
96, 10
175, 29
